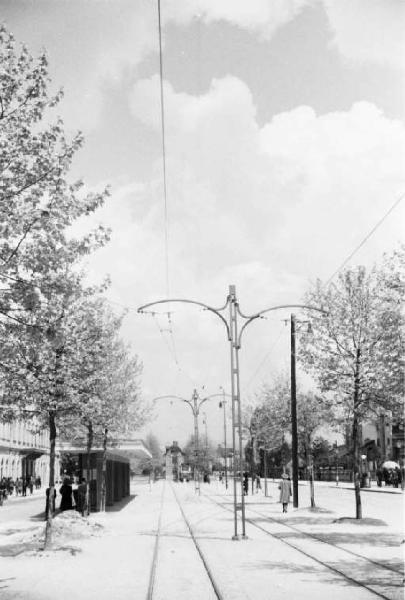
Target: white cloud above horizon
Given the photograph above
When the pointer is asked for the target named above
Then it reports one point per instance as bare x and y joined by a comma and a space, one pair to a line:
243, 198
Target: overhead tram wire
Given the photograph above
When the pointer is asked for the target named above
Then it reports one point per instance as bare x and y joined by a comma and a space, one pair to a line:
168, 346
376, 226
172, 348
163, 128
249, 383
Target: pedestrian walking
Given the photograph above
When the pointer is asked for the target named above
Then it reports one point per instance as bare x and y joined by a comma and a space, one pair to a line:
31, 485
24, 486
285, 491
258, 483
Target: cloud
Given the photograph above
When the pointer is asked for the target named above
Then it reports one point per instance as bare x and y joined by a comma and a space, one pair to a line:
256, 15
368, 30
243, 194
90, 44
362, 30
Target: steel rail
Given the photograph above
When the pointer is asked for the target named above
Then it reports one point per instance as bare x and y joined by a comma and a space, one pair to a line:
200, 552
307, 554
152, 575
319, 539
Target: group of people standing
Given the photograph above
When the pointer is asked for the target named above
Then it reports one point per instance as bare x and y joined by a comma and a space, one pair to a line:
19, 486
73, 496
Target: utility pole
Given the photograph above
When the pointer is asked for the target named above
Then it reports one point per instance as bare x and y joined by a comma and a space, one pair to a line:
294, 427
234, 337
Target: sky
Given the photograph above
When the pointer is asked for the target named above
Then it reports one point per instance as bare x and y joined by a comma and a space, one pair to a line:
285, 146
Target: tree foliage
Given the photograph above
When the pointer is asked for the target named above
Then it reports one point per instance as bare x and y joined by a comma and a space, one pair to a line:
356, 350
60, 352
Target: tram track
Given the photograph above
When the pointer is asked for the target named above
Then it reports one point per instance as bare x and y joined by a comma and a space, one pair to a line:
327, 564
152, 575
328, 543
199, 550
154, 571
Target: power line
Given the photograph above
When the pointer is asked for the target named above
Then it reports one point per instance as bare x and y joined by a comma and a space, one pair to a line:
170, 348
249, 383
162, 113
389, 211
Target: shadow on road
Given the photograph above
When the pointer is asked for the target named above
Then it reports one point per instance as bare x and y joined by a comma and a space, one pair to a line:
121, 504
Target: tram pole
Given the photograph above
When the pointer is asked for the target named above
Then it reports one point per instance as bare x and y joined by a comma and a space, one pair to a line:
234, 337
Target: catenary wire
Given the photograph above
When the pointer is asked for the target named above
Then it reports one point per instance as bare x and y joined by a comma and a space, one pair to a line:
376, 226
249, 383
162, 114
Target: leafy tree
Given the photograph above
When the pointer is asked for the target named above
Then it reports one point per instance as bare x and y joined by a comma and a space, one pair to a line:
312, 413
321, 450
105, 377
39, 257
355, 352
207, 452
271, 419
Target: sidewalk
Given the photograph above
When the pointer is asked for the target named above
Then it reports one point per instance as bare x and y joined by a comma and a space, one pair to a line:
350, 486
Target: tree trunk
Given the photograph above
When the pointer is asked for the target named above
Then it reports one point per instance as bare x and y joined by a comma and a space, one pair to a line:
88, 472
355, 438
311, 484
51, 487
104, 475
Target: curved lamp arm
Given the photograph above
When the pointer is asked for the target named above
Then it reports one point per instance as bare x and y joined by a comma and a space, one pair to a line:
176, 398
216, 311
260, 314
212, 396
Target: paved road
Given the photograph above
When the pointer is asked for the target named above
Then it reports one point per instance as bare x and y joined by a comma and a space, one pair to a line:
302, 554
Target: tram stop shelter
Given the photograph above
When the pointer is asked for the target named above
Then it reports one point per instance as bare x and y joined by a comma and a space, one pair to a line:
117, 475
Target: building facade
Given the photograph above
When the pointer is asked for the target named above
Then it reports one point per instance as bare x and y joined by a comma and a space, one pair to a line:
173, 461
383, 438
24, 452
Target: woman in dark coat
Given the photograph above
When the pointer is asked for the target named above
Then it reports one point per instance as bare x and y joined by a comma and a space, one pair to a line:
66, 492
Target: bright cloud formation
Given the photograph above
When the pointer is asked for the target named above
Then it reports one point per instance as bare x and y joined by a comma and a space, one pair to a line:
369, 30
362, 30
336, 172
260, 16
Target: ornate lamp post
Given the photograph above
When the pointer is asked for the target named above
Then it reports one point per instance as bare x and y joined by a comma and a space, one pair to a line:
234, 336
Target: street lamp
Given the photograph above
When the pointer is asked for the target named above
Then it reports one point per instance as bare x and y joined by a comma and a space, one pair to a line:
294, 425
234, 337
